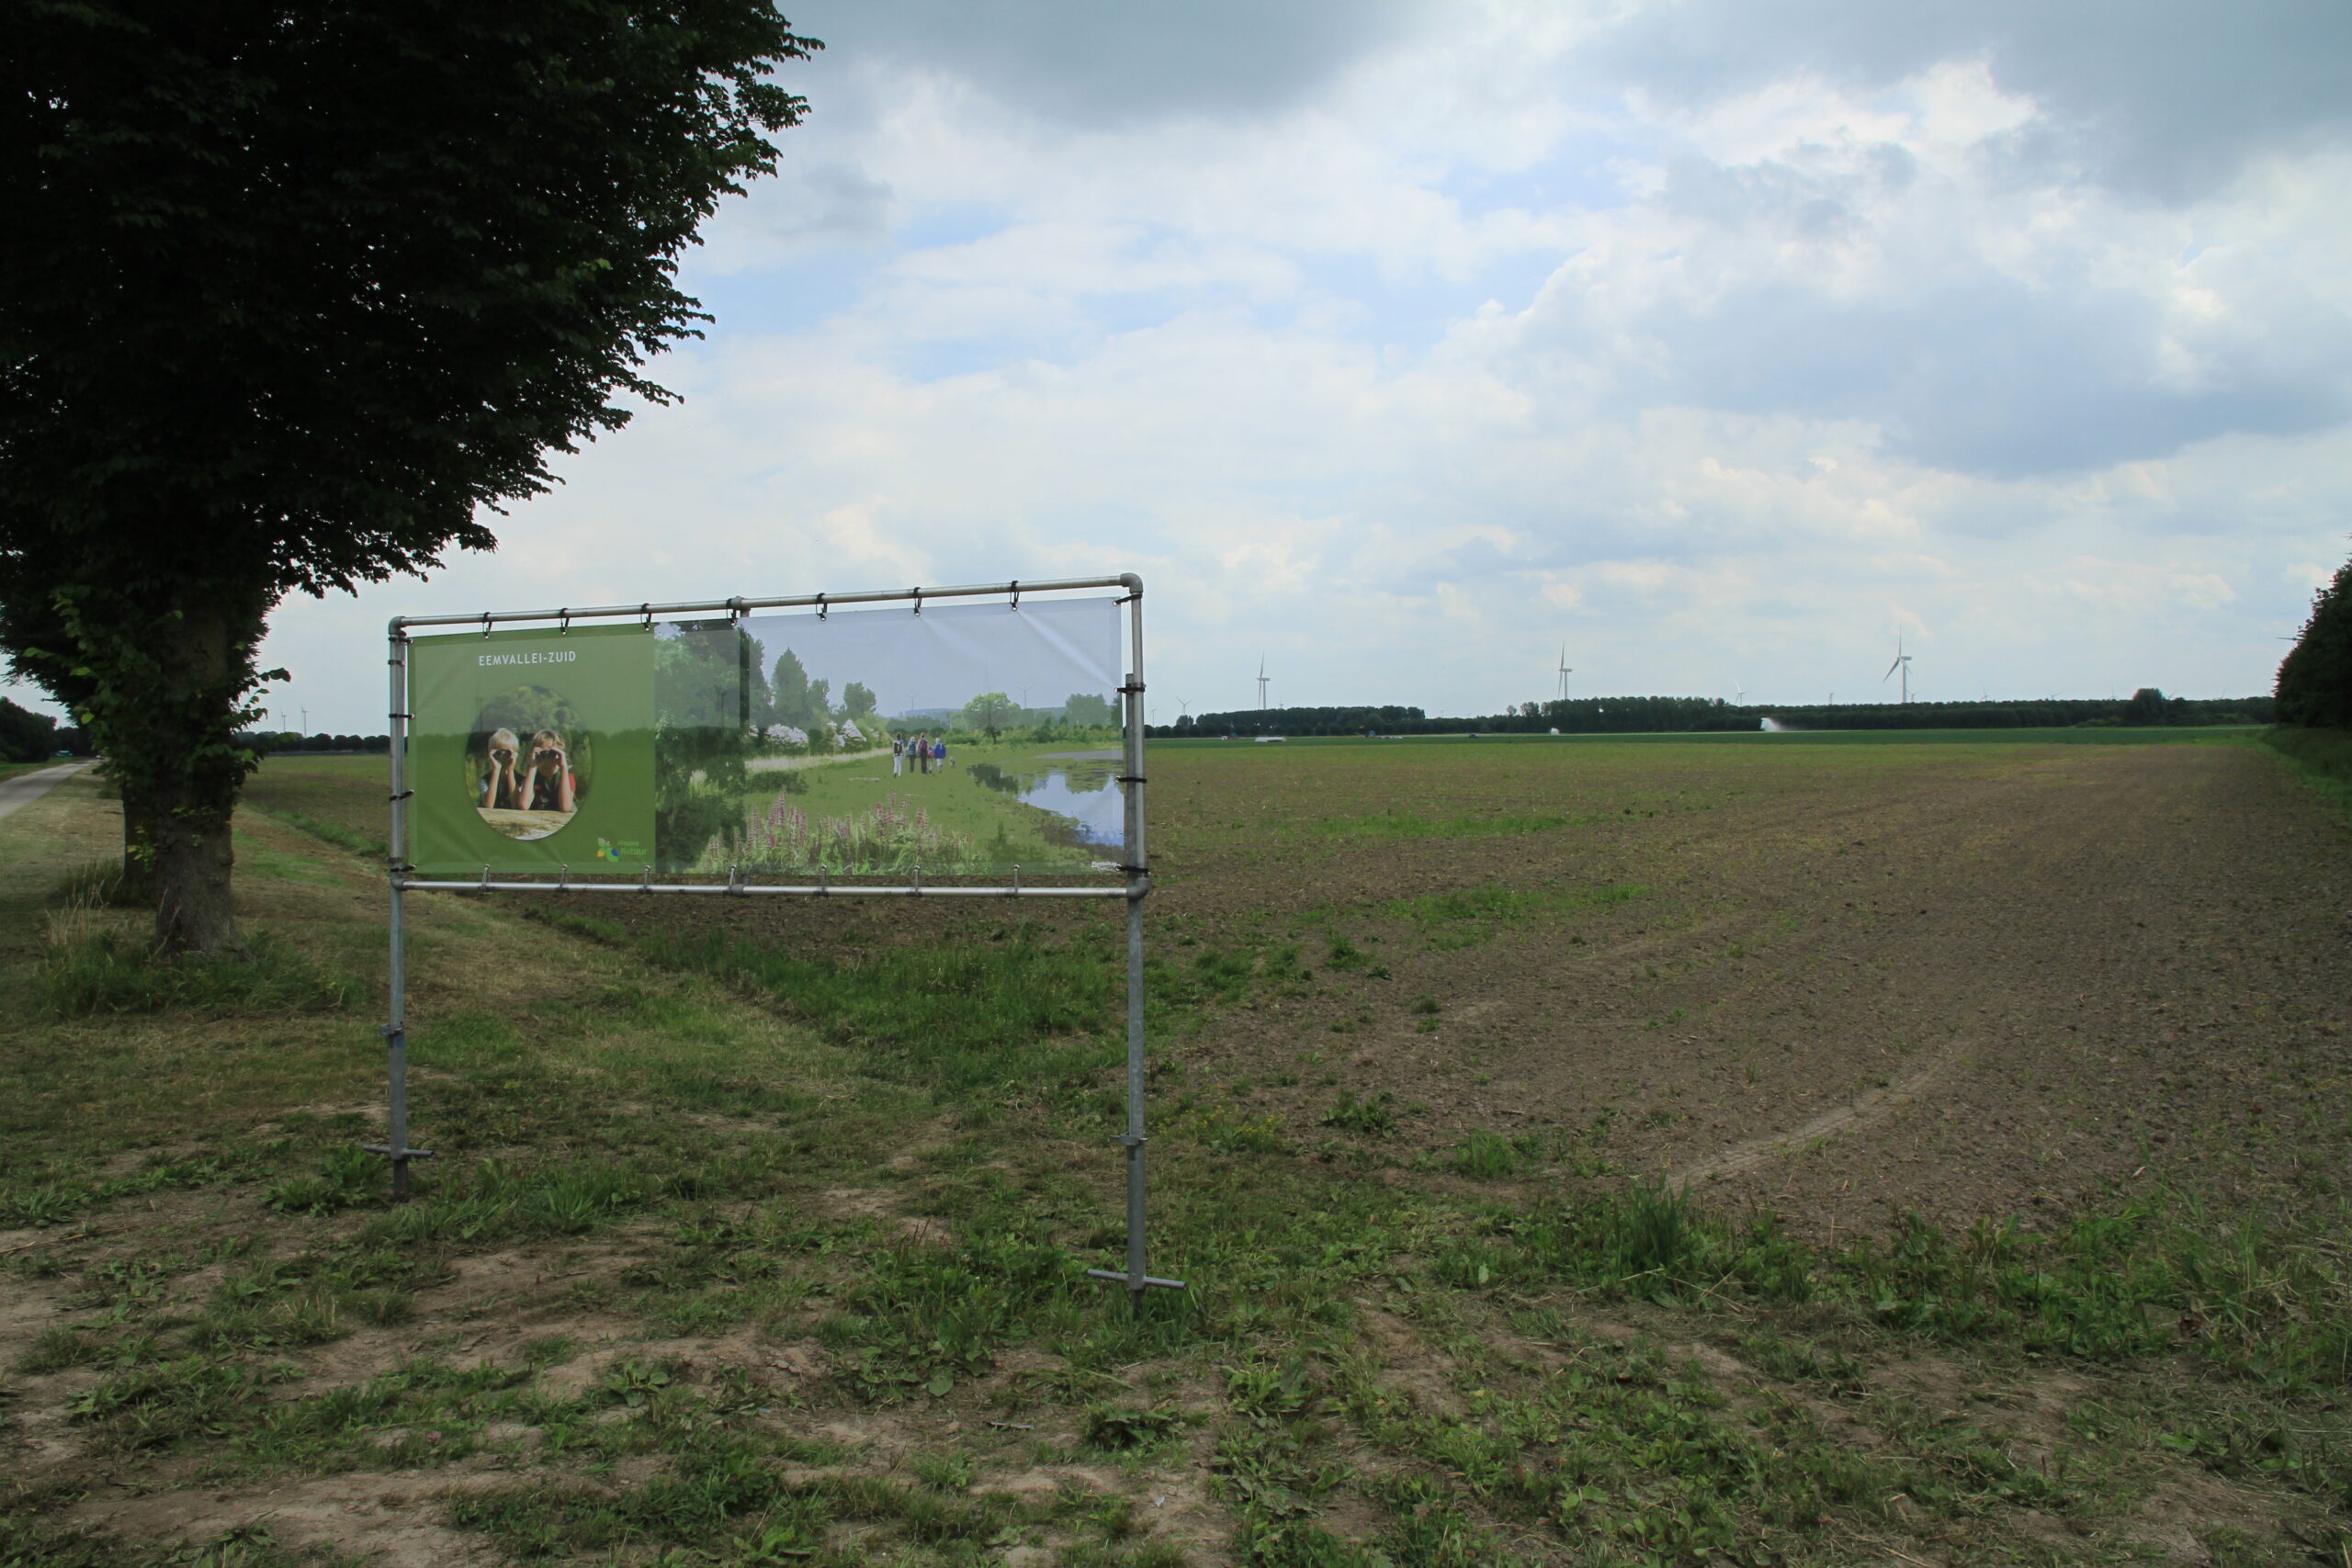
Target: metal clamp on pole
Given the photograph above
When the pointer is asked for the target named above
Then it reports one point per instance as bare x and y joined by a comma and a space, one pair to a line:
1138, 1283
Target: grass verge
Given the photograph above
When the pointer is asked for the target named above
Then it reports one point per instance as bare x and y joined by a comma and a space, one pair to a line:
2321, 758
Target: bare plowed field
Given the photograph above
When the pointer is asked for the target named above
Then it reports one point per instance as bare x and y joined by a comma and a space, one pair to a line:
1841, 979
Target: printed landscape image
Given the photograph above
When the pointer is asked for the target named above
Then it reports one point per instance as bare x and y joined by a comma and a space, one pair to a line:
759, 767
1909, 1149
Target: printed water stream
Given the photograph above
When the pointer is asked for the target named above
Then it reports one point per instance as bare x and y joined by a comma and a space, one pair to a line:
1084, 794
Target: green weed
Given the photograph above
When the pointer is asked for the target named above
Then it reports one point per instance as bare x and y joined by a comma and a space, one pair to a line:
349, 1175
1486, 1156
109, 972
1471, 916
1403, 825
2321, 758
350, 839
1373, 1118
1030, 1014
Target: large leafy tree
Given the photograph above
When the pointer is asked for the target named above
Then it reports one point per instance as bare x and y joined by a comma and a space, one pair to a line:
290, 291
2315, 679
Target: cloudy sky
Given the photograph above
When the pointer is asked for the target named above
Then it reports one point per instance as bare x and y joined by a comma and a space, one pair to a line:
1403, 342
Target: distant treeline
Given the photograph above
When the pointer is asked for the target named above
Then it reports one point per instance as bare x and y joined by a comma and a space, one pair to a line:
286, 741
1639, 716
28, 737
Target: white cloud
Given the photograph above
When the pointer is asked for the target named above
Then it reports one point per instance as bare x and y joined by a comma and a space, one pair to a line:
1404, 351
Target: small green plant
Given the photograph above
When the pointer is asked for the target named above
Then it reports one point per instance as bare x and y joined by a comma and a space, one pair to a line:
946, 1471
48, 1204
349, 1175
635, 1383
1486, 1156
1373, 1118
1229, 1131
1116, 1430
1269, 1393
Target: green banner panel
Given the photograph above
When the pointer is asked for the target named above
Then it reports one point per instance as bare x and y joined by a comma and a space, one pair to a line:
532, 751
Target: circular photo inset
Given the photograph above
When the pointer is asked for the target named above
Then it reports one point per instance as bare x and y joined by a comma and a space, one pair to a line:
528, 763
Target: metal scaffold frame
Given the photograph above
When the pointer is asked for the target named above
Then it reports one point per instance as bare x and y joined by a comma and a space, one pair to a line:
1135, 872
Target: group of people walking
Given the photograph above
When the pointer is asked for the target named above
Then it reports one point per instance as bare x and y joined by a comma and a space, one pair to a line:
919, 753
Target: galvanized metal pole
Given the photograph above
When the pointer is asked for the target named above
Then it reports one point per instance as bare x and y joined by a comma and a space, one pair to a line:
395, 1031
1137, 1278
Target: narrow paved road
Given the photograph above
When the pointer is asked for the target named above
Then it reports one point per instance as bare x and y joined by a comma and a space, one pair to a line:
26, 788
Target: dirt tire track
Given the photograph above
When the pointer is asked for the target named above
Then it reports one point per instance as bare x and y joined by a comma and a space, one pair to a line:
1865, 1111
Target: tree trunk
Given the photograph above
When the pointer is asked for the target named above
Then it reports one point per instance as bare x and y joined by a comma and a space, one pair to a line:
139, 884
194, 857
193, 778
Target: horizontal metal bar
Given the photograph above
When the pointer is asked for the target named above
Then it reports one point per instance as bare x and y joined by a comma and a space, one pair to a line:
1128, 580
725, 890
1129, 1279
385, 1149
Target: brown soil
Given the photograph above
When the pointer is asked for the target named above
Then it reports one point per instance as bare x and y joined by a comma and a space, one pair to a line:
1863, 978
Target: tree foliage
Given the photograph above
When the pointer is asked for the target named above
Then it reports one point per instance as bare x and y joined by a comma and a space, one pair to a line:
2315, 677
702, 739
291, 292
986, 711
25, 736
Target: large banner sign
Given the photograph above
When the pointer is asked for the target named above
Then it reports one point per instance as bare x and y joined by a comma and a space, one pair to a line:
959, 739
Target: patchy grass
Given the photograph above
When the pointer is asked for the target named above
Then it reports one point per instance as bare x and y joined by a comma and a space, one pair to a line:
1470, 915
114, 971
1405, 825
2321, 758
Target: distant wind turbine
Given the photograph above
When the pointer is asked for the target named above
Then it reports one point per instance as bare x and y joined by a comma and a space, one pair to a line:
1263, 679
1565, 672
1902, 662
1740, 693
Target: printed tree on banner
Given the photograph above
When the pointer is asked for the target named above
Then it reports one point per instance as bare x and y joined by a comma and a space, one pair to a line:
986, 711
700, 741
1089, 711
798, 701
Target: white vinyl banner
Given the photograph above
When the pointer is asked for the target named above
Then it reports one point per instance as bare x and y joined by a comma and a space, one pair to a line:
962, 738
